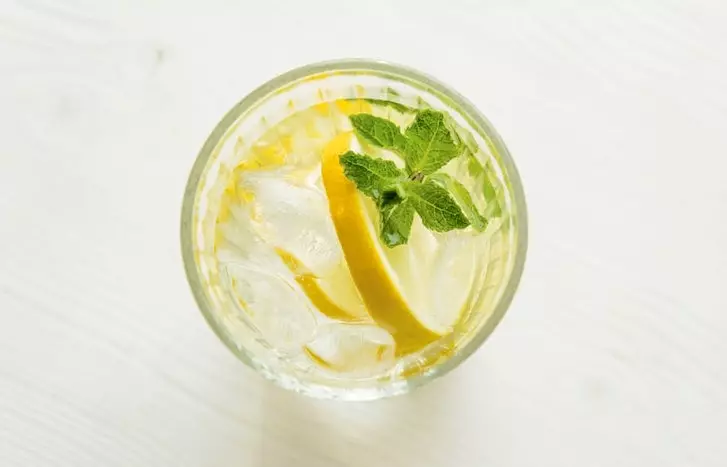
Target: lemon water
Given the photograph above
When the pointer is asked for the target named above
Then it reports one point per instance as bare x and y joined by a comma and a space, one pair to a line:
299, 254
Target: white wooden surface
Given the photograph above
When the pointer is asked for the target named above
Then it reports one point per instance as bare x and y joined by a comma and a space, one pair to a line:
613, 353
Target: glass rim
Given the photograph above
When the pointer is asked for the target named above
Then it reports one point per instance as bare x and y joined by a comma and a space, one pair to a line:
397, 72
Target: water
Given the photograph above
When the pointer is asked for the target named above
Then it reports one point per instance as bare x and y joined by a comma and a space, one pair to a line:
283, 265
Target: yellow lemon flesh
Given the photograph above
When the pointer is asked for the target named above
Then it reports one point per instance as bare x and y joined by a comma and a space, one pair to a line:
373, 277
309, 283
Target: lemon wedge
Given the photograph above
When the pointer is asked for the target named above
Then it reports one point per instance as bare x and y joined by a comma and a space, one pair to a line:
374, 278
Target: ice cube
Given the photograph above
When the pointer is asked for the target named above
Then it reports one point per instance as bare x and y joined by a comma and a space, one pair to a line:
271, 303
236, 234
359, 350
296, 219
452, 270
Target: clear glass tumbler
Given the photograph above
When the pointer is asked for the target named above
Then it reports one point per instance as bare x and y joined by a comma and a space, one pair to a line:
271, 103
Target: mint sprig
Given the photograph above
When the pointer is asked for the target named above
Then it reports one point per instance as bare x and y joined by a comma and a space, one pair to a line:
426, 146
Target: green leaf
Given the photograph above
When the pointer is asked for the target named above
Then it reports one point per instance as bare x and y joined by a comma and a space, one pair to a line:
473, 165
467, 139
483, 173
439, 212
394, 105
429, 143
463, 199
371, 176
396, 220
378, 131
493, 208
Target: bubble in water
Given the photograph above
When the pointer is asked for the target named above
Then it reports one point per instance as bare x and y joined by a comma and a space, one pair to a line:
272, 304
360, 350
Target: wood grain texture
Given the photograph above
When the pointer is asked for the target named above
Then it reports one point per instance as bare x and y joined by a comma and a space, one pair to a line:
613, 351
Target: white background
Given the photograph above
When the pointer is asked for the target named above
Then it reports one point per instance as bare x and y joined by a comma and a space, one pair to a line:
613, 353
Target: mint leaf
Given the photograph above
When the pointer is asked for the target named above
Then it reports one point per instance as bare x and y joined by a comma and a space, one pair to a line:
394, 105
473, 165
439, 212
429, 143
396, 220
484, 173
493, 208
378, 131
371, 176
462, 197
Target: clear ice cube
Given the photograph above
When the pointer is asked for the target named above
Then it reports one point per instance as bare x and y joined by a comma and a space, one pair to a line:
294, 217
452, 269
236, 236
360, 350
271, 303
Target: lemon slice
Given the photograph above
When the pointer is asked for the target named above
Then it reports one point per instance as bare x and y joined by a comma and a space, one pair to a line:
373, 276
316, 293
